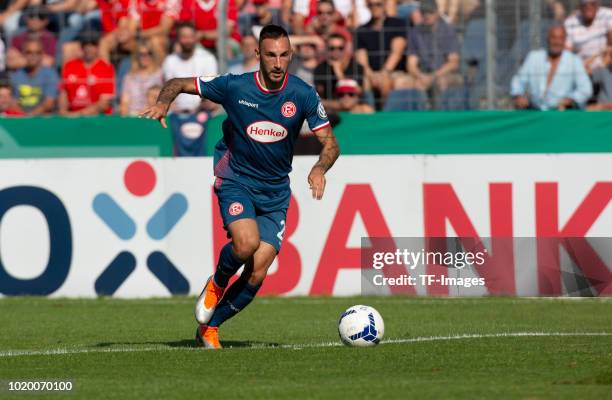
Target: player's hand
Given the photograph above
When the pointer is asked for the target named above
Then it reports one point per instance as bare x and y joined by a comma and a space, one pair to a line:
157, 112
316, 180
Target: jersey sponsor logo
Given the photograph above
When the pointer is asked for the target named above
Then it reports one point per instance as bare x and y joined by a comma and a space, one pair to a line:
288, 109
266, 132
248, 104
235, 209
321, 111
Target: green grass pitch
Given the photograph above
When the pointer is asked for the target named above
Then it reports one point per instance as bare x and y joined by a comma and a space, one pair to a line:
289, 348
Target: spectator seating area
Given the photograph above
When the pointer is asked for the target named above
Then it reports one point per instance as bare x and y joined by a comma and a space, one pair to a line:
95, 57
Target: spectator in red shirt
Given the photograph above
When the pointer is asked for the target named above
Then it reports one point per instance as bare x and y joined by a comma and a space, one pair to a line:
37, 20
8, 105
118, 27
155, 20
203, 14
88, 83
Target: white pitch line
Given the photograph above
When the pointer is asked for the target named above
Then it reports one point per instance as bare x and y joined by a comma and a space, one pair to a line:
65, 351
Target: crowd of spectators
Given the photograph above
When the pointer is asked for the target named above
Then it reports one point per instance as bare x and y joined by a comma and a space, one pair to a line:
93, 57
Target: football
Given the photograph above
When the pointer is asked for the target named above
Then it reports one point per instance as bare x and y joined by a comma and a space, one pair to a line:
361, 326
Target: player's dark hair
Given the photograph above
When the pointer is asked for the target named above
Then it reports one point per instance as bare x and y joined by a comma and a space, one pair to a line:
272, 32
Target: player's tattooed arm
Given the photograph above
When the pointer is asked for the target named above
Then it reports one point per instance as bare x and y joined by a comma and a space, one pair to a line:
328, 156
174, 87
330, 151
168, 93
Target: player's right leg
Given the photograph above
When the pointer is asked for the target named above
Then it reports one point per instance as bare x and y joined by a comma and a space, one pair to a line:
245, 241
238, 215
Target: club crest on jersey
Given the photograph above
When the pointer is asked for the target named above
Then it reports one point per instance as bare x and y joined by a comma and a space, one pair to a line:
266, 131
288, 109
235, 209
321, 111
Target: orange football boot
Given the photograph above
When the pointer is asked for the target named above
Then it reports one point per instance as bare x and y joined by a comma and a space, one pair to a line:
207, 301
208, 337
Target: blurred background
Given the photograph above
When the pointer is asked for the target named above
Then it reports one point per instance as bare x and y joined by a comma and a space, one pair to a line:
94, 57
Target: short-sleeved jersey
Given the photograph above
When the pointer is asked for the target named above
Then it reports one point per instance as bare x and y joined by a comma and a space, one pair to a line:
111, 11
149, 13
261, 126
84, 85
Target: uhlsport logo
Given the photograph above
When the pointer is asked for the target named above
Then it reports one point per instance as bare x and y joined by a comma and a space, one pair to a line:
266, 132
140, 180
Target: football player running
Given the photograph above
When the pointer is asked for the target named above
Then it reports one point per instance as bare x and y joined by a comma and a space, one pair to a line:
265, 112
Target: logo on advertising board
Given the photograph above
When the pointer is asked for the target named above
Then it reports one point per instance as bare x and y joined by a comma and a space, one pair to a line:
140, 180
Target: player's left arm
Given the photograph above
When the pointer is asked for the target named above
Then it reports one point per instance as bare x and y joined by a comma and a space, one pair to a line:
168, 93
328, 156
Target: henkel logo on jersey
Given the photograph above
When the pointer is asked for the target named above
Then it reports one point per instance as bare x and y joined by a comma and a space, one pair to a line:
266, 131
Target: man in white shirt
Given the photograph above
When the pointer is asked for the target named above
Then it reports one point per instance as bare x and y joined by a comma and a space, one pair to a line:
588, 32
190, 60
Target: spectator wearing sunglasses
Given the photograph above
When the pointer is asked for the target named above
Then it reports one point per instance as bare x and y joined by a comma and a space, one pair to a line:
145, 73
339, 64
37, 21
35, 85
349, 97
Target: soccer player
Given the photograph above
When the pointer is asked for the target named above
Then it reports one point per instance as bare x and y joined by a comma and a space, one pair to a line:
265, 112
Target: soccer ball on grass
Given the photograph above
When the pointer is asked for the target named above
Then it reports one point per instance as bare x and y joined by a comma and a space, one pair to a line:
361, 326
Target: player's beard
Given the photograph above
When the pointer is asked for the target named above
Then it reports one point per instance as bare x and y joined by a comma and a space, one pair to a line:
274, 76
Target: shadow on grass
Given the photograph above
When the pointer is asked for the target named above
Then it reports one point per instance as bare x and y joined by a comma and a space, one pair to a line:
190, 343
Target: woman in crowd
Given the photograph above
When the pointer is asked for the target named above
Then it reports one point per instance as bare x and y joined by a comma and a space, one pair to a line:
144, 74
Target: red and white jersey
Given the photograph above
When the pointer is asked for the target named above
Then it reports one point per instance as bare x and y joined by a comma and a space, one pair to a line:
111, 12
84, 85
204, 16
148, 13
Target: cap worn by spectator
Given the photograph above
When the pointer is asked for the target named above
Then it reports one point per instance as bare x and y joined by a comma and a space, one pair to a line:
588, 1
259, 2
347, 86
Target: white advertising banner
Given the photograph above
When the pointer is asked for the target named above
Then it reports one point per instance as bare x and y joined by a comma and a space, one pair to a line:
151, 227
